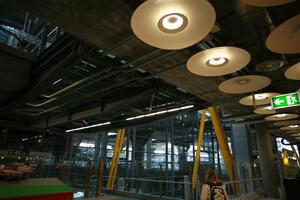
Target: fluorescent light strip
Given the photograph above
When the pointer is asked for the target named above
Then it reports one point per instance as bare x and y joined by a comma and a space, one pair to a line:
161, 112
87, 127
56, 81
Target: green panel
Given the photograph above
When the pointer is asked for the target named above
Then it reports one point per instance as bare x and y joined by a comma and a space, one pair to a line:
286, 100
9, 191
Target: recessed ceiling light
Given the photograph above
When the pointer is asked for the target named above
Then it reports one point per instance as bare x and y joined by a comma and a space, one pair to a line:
173, 23
243, 81
260, 97
294, 126
218, 61
268, 108
280, 115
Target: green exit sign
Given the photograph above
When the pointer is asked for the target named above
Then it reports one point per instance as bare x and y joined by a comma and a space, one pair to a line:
285, 100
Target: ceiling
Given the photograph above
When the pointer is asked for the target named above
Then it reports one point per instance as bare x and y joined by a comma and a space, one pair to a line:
108, 74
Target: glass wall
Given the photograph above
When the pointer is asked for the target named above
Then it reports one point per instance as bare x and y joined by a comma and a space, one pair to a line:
156, 158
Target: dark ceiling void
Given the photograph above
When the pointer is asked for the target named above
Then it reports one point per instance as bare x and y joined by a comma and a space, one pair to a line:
99, 71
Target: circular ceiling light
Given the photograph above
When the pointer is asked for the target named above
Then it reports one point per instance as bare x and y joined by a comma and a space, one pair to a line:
293, 72
292, 132
290, 128
279, 117
287, 123
285, 39
218, 61
267, 3
269, 65
296, 134
266, 110
173, 24
244, 84
260, 99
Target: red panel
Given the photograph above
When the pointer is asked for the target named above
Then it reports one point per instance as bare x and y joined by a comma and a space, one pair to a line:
60, 196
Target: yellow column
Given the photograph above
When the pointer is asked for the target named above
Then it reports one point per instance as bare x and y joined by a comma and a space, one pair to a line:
115, 159
199, 144
222, 141
297, 157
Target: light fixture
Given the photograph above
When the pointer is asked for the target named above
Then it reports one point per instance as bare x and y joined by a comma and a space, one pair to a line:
244, 84
260, 99
282, 116
111, 133
173, 24
268, 108
218, 61
161, 112
293, 72
87, 144
267, 3
265, 110
87, 127
290, 128
285, 38
287, 123
57, 81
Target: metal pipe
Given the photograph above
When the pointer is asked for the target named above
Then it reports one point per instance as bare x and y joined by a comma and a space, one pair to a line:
103, 77
121, 69
41, 104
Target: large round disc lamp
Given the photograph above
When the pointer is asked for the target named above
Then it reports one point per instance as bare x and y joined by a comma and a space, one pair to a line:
260, 99
218, 61
281, 116
291, 127
244, 84
293, 72
285, 39
293, 131
267, 3
265, 110
296, 134
173, 24
287, 123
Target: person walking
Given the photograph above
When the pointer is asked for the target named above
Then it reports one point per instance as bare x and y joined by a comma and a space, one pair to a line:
213, 188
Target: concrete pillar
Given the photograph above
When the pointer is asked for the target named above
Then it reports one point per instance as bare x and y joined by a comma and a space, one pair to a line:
241, 151
267, 164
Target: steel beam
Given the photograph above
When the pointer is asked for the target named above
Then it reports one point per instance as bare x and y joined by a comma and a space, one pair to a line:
47, 72
96, 111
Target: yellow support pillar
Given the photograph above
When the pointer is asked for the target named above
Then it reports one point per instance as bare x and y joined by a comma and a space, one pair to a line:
199, 144
118, 157
115, 159
222, 141
297, 157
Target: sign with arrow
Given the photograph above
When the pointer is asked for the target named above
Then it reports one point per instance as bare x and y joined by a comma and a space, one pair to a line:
285, 100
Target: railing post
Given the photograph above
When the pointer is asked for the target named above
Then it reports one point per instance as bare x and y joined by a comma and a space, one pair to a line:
100, 176
88, 178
